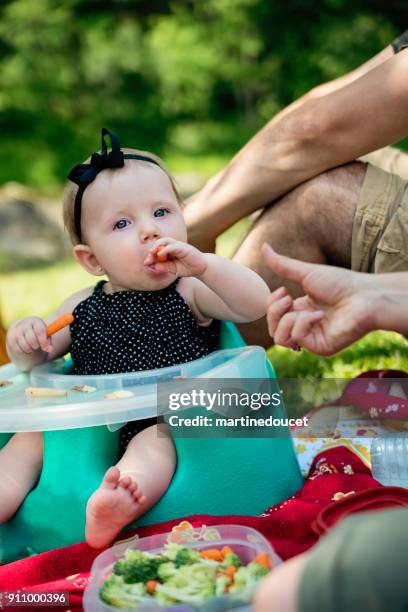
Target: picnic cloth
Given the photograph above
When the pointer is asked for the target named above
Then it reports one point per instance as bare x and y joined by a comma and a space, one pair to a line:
335, 472
371, 405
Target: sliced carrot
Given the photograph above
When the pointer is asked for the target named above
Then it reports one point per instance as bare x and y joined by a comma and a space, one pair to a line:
151, 586
62, 321
161, 257
230, 571
263, 559
184, 525
211, 553
226, 550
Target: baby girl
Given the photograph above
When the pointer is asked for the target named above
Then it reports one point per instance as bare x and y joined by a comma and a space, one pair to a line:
159, 307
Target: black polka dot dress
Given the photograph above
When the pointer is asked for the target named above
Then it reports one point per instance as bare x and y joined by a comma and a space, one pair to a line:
129, 331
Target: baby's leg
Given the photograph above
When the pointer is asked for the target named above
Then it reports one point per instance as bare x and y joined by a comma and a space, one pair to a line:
130, 488
20, 465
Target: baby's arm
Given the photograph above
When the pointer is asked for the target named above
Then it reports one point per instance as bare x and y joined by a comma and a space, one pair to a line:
229, 291
221, 289
27, 342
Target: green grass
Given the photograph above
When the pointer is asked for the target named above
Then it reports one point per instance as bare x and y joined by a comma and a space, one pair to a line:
39, 292
378, 350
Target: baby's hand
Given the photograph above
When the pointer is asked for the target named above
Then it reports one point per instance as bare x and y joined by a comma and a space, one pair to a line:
27, 336
179, 258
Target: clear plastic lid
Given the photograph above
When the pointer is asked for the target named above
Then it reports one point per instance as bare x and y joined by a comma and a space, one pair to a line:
246, 542
79, 408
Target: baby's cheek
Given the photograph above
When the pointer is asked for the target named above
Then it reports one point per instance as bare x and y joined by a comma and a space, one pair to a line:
132, 252
178, 229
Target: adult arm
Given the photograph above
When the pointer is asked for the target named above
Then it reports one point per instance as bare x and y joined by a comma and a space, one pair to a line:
348, 569
326, 128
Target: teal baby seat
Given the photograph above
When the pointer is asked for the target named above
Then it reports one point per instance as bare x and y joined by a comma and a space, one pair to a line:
215, 475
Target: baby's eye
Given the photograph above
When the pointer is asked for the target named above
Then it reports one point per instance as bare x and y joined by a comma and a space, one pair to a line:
161, 212
121, 224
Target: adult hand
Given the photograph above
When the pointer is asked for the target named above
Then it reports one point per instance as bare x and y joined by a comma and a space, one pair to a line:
337, 309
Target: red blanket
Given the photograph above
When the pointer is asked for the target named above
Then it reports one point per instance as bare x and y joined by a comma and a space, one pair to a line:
287, 526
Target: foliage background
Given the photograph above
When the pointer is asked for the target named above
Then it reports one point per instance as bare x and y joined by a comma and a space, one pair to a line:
191, 80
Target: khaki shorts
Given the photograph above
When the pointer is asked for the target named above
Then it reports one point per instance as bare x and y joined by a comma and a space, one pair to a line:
380, 228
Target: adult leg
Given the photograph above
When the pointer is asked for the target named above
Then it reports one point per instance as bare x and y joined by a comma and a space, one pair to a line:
20, 465
314, 223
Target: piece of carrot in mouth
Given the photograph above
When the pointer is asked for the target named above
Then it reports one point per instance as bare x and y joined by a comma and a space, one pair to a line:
161, 257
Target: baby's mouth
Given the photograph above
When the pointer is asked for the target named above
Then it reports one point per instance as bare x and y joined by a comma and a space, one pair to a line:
153, 270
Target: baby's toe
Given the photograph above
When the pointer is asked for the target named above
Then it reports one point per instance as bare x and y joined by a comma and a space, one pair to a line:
139, 497
132, 487
125, 482
110, 479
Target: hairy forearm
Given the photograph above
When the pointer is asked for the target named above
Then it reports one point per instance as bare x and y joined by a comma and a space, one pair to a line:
312, 135
326, 88
242, 290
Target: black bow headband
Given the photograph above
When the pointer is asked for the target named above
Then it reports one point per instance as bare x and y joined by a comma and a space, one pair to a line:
83, 174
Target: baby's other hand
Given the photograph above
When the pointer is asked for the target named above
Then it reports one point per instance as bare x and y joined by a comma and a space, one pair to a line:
27, 336
179, 258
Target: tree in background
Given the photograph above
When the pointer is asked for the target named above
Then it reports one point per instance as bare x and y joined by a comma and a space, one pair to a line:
181, 77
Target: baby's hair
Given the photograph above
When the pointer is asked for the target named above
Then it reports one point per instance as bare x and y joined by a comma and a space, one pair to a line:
71, 189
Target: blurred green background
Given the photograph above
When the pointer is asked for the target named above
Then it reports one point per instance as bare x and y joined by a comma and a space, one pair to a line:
190, 80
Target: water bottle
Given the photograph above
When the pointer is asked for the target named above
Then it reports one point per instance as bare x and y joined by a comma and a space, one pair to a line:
389, 460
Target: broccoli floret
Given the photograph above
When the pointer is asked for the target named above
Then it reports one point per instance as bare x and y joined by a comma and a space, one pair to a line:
116, 592
166, 570
231, 559
221, 582
171, 549
246, 580
186, 556
164, 599
257, 570
190, 584
138, 566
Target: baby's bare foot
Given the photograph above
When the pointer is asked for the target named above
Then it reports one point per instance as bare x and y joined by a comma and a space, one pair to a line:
113, 506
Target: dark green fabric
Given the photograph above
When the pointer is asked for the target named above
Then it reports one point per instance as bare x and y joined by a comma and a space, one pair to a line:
401, 42
361, 566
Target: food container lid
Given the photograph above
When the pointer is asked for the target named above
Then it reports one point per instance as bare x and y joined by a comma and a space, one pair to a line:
369, 500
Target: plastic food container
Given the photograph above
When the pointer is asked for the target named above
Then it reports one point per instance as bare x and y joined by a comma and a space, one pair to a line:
77, 410
244, 541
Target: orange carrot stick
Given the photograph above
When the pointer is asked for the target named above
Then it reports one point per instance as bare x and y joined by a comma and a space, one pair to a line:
62, 321
226, 550
263, 559
151, 586
211, 553
230, 571
163, 257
